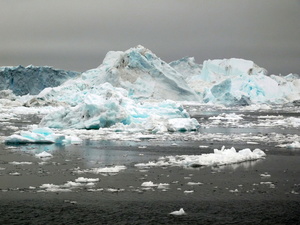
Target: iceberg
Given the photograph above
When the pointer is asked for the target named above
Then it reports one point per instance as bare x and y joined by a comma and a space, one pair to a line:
20, 79
237, 82
111, 106
143, 74
135, 88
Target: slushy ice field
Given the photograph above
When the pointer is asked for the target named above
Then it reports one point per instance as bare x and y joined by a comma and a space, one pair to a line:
141, 141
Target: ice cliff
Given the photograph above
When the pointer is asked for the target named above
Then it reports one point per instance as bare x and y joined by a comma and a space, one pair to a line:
32, 79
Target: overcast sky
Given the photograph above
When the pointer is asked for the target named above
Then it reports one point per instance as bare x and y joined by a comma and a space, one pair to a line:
77, 34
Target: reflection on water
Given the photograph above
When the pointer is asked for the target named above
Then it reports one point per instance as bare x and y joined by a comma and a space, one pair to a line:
92, 153
38, 148
243, 165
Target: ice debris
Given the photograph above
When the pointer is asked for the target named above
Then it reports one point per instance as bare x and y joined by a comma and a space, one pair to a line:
219, 157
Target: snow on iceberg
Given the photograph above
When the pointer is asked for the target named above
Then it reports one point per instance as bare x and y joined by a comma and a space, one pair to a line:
214, 69
219, 157
41, 135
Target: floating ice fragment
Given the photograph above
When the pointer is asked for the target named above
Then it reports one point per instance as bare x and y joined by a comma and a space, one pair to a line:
104, 170
265, 175
194, 183
295, 144
41, 135
219, 157
188, 192
86, 180
163, 186
180, 212
43, 155
148, 184
20, 163
15, 174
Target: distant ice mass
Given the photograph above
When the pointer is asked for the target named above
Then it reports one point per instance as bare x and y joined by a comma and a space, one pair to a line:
32, 79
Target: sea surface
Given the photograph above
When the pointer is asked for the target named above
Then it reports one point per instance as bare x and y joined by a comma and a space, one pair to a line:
266, 191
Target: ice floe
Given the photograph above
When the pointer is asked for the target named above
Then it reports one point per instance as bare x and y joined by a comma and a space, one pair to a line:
103, 170
20, 163
41, 135
219, 157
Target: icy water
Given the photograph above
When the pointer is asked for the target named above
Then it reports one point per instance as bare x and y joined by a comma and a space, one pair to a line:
49, 191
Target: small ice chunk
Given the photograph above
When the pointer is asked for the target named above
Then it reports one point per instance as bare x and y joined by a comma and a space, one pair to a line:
148, 184
163, 186
265, 175
43, 155
194, 183
20, 163
188, 192
180, 212
86, 180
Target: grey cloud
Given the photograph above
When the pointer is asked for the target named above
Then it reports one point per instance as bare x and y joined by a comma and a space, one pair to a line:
74, 34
